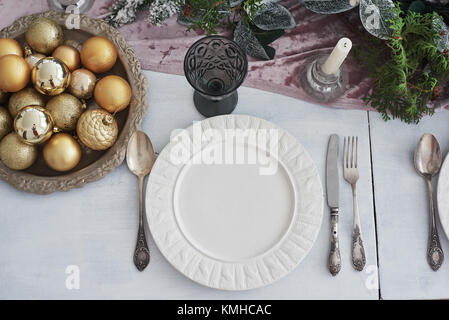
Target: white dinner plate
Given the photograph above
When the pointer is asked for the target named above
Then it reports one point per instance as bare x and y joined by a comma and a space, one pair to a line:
443, 195
234, 202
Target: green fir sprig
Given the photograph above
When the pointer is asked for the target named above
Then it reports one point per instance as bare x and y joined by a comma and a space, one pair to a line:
414, 69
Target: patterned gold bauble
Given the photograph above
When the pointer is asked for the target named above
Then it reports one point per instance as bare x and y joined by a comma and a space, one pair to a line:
113, 93
3, 96
62, 152
69, 55
65, 110
14, 73
10, 46
23, 98
50, 76
34, 125
44, 35
15, 154
97, 129
32, 58
6, 125
98, 54
82, 84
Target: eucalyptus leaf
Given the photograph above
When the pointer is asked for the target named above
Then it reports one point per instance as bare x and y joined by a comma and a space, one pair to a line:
442, 29
375, 16
273, 16
267, 37
245, 38
328, 7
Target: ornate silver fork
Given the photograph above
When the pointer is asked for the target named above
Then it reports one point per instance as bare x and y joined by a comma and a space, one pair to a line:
351, 174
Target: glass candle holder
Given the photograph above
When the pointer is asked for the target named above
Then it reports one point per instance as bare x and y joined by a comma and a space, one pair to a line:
83, 5
319, 85
215, 67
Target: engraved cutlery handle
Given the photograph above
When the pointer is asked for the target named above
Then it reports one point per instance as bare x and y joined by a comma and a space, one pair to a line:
358, 251
141, 253
334, 255
435, 256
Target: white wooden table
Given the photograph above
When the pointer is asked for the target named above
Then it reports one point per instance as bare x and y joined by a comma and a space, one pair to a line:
46, 241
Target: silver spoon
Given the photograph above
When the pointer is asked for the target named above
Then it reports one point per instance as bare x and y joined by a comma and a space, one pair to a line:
427, 163
140, 158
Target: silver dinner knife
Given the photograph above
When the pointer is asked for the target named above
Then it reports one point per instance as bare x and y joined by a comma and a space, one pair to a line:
332, 186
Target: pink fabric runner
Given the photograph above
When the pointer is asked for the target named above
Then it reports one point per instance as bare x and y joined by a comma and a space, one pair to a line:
163, 48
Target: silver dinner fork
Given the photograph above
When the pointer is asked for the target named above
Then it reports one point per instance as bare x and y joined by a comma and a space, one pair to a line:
351, 174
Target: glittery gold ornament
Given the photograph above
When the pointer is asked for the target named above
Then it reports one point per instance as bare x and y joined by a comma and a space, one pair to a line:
82, 84
97, 129
34, 125
50, 76
44, 35
15, 154
69, 55
14, 73
6, 125
10, 46
62, 152
65, 111
24, 98
3, 96
32, 58
113, 93
98, 54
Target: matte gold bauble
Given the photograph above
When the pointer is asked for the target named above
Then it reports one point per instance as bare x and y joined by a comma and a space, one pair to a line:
32, 58
65, 111
62, 152
34, 125
82, 84
6, 124
23, 98
113, 93
15, 154
3, 96
10, 46
50, 76
44, 35
97, 129
69, 55
14, 73
98, 54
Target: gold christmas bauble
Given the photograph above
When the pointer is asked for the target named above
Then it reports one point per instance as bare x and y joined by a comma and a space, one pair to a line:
113, 93
15, 154
32, 58
44, 35
3, 96
65, 111
6, 125
50, 76
33, 125
69, 55
82, 84
97, 129
10, 46
23, 98
98, 54
62, 152
14, 73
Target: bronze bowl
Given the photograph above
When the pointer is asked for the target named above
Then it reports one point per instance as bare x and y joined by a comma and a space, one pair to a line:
94, 165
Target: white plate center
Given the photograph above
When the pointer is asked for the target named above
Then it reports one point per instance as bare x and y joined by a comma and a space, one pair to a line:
231, 212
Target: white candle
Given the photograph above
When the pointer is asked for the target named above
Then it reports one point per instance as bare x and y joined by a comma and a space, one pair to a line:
337, 57
354, 2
